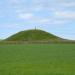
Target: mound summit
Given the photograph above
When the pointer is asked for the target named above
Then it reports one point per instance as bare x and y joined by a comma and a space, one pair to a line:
33, 35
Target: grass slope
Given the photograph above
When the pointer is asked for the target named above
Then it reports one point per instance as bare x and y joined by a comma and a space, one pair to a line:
32, 35
41, 59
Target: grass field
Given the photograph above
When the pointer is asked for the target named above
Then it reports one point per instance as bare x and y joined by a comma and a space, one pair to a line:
38, 59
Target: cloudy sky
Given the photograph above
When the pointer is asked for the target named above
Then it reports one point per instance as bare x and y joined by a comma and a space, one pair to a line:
54, 16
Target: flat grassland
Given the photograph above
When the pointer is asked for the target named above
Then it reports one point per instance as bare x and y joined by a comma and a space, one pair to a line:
37, 59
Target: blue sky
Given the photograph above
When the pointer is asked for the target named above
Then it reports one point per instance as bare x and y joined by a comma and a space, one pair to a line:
54, 16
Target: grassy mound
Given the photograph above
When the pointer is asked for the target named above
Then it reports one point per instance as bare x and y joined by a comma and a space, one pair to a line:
33, 35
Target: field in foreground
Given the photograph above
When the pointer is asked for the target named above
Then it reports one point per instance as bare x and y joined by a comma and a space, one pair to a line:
39, 59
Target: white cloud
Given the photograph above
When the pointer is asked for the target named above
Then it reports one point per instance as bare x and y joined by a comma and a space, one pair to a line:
42, 21
9, 26
48, 21
65, 14
25, 15
58, 22
37, 6
13, 1
69, 4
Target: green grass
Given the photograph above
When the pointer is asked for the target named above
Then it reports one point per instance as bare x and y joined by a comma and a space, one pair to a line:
37, 59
